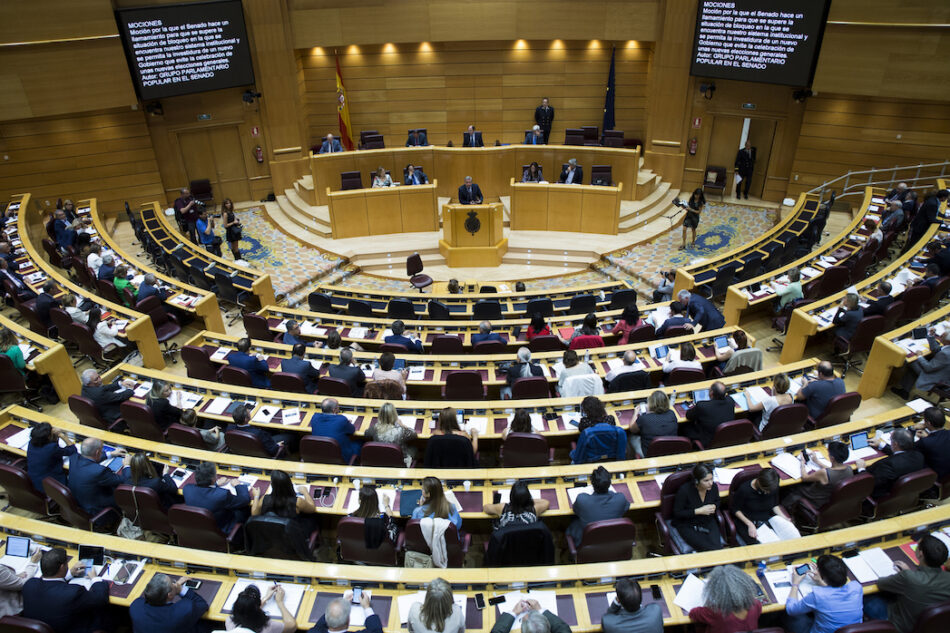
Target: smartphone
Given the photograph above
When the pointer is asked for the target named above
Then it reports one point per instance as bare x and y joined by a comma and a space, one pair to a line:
550, 415
851, 553
480, 601
192, 583
655, 590
496, 496
357, 594
496, 600
801, 570
805, 454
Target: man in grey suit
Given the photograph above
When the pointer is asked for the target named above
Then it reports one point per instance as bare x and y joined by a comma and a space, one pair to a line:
626, 615
924, 373
603, 504
349, 373
330, 146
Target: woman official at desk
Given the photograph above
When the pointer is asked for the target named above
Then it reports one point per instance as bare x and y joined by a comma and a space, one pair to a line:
696, 203
532, 174
382, 179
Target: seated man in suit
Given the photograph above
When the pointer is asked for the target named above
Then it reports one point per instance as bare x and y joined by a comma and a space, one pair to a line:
572, 174
923, 373
149, 287
415, 176
933, 441
677, 317
209, 492
107, 398
337, 617
417, 138
92, 484
292, 336
107, 269
524, 368
897, 193
241, 421
901, 459
848, 316
701, 310
64, 231
255, 365
705, 417
628, 614
601, 504
332, 424
7, 252
349, 373
469, 193
157, 611
641, 381
330, 146
818, 393
931, 276
45, 302
23, 291
472, 138
893, 216
64, 606
299, 366
879, 305
485, 334
535, 136
398, 337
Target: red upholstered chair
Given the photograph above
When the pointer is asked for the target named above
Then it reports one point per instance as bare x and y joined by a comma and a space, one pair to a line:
395, 348
85, 409
198, 363
322, 450
893, 314
847, 497
874, 626
236, 376
489, 347
642, 333
141, 506
283, 381
256, 327
669, 445
196, 528
246, 443
12, 381
664, 517
464, 384
675, 330
414, 271
604, 541
915, 300
328, 386
28, 312
525, 449
165, 324
868, 329
20, 490
730, 433
383, 455
933, 619
715, 179
904, 494
837, 411
546, 343
684, 376
787, 419
587, 341
181, 435
534, 387
73, 513
351, 541
447, 344
141, 422
19, 624
455, 547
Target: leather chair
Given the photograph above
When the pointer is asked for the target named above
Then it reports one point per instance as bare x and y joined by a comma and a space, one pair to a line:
382, 455
936, 294
675, 330
591, 135
279, 537
486, 310
837, 411
19, 624
546, 343
612, 138
447, 344
740, 478
582, 304
142, 506
320, 302
669, 445
438, 311
106, 289
931, 620
833, 280
246, 443
329, 386
352, 544
400, 309
874, 626
166, 325
725, 277
604, 541
28, 312
291, 383
751, 268
322, 450
715, 179
465, 384
365, 133
198, 363
542, 306
87, 413
671, 541
787, 419
12, 381
230, 294
414, 272
256, 327
904, 494
489, 347
517, 545
642, 333
104, 521
730, 433
573, 136
201, 279
620, 299
201, 190
524, 450
350, 180
357, 308
20, 491
868, 329
601, 174
534, 387
587, 341
196, 528
52, 252
90, 348
373, 141
395, 348
141, 421
847, 497
684, 376
181, 435
236, 377
456, 546
893, 314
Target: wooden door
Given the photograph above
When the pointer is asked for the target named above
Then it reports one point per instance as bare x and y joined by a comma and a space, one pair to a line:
197, 156
723, 145
216, 154
761, 134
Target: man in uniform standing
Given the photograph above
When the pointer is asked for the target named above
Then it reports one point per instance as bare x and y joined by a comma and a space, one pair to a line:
544, 116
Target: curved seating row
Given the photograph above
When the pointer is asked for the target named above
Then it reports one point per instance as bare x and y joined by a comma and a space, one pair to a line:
46, 357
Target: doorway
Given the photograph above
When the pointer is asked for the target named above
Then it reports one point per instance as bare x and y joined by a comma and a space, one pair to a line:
216, 154
728, 135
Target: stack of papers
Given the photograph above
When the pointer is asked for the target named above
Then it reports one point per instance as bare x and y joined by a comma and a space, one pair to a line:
220, 354
740, 401
217, 406
480, 424
386, 498
358, 332
755, 395
788, 464
690, 594
826, 317
808, 272
142, 390
291, 417
183, 399
293, 595
725, 476
546, 599
20, 439
417, 372
265, 414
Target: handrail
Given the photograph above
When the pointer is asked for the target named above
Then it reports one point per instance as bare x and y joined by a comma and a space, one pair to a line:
858, 187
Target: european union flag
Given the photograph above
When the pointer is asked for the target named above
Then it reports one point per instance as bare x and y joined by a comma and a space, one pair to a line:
609, 98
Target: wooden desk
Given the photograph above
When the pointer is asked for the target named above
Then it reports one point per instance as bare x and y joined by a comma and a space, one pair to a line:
385, 210
47, 358
472, 235
491, 167
539, 206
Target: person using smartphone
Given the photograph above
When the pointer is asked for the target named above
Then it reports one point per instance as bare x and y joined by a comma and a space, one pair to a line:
628, 614
833, 603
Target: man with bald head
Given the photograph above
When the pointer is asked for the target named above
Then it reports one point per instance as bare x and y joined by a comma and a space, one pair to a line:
337, 616
639, 379
331, 145
817, 393
92, 484
107, 398
704, 418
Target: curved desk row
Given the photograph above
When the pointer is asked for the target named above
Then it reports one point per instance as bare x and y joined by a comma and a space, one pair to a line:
46, 357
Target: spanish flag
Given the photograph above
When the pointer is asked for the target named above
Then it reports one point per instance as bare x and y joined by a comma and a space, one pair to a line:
343, 110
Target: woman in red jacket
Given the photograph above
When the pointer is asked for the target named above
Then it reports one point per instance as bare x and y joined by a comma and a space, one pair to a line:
730, 603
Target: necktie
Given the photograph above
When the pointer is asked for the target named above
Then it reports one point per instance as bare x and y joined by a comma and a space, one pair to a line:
470, 198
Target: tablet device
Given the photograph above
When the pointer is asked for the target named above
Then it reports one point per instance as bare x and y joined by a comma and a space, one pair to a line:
115, 464
91, 555
662, 351
919, 333
18, 546
859, 441
722, 342
399, 364
700, 395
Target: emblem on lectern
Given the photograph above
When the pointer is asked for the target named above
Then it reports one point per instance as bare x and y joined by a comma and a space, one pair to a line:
473, 224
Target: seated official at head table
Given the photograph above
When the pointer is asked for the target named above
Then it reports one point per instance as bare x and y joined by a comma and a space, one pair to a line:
414, 176
331, 145
469, 193
534, 137
417, 138
472, 138
532, 173
382, 179
572, 174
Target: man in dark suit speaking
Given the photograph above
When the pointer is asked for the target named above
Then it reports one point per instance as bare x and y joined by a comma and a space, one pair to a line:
469, 193
901, 459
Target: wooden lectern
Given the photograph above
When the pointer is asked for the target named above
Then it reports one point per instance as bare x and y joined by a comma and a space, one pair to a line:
472, 235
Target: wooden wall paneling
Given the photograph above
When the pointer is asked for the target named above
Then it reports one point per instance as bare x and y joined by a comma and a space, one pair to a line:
22, 21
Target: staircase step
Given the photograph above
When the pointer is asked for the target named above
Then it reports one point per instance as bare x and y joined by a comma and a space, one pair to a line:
653, 220
306, 182
295, 215
643, 208
321, 215
394, 262
284, 223
307, 195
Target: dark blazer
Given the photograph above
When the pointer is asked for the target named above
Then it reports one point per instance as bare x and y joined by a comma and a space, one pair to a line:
164, 412
578, 177
930, 282
93, 485
412, 142
262, 434
531, 139
181, 616
886, 471
107, 398
516, 371
745, 162
593, 507
671, 322
65, 236
163, 485
410, 344
258, 369
707, 416
418, 178
228, 509
505, 621
339, 428
449, 451
544, 117
325, 147
847, 322
302, 368
44, 303
942, 259
936, 451
146, 291
75, 607
372, 624
16, 278
47, 461
478, 337
878, 306
926, 215
474, 198
704, 313
106, 272
467, 140
353, 376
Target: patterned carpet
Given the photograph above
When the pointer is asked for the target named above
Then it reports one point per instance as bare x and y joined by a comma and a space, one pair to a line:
366, 281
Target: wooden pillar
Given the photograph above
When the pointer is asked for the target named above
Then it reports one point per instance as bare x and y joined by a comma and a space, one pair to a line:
668, 103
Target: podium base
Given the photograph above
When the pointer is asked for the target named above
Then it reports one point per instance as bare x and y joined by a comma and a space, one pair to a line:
473, 256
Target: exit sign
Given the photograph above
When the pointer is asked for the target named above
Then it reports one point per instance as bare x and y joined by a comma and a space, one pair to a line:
207, 117
748, 106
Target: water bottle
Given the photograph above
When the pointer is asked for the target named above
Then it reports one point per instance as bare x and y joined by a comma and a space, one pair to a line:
760, 571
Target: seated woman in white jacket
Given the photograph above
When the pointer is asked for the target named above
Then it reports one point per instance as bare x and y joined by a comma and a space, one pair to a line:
107, 335
437, 613
686, 359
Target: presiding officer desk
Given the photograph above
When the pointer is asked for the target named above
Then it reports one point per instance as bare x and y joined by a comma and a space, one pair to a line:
577, 592
542, 206
490, 167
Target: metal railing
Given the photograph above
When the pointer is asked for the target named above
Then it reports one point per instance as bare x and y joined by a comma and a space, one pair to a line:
853, 183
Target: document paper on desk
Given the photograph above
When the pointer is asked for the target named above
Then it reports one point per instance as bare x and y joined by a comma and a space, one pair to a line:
404, 603
293, 595
504, 495
725, 476
218, 405
547, 600
860, 568
788, 464
879, 562
20, 439
574, 493
690, 594
386, 497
